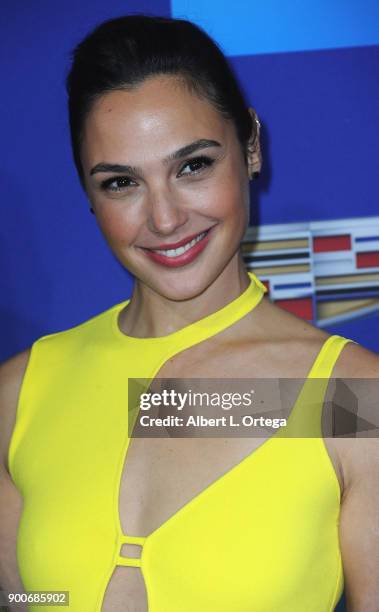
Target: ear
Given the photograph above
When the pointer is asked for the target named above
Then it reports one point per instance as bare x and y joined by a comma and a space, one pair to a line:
254, 155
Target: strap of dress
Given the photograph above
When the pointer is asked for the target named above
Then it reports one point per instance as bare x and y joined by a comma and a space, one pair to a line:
327, 357
305, 417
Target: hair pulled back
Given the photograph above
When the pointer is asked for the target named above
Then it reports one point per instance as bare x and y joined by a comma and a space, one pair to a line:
121, 53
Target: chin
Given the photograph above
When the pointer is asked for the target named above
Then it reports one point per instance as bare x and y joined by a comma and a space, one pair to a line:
181, 289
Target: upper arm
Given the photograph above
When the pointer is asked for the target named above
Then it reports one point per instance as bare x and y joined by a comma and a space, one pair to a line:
359, 452
11, 376
359, 527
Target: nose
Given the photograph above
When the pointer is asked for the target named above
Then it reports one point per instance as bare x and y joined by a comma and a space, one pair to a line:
165, 212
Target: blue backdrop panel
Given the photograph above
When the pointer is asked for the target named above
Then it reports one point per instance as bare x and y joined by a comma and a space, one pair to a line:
320, 118
272, 26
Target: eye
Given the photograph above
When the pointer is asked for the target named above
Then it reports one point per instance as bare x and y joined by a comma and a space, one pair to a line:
197, 164
116, 184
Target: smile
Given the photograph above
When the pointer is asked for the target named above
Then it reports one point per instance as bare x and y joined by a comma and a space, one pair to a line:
183, 254
181, 249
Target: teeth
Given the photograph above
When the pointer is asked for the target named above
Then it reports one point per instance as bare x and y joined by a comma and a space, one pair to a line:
182, 249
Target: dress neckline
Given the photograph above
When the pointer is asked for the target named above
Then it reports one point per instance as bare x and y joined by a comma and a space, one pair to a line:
204, 327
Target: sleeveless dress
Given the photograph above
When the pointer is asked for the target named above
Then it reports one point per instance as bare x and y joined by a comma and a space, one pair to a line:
263, 537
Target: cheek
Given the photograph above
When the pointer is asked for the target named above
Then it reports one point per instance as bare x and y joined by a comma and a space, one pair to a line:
118, 224
231, 196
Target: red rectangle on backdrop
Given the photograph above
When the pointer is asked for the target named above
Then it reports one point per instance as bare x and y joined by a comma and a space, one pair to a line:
323, 244
368, 260
301, 307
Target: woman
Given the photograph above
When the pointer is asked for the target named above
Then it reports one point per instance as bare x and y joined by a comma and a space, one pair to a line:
165, 145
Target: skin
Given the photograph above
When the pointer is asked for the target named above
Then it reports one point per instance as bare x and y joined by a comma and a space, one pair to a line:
162, 205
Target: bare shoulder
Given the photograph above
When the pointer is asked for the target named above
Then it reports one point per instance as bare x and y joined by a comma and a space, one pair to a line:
356, 375
11, 376
276, 323
356, 361
292, 343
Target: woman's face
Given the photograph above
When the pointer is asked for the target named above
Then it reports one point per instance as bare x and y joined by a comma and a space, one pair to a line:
162, 167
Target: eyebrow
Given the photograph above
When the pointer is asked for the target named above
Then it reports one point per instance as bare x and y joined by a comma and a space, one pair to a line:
202, 143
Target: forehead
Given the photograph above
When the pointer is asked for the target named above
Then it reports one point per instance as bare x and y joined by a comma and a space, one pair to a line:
158, 113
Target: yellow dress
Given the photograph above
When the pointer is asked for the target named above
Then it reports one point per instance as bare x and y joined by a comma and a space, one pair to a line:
261, 538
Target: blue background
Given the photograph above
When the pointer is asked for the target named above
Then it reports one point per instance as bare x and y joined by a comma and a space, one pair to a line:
310, 70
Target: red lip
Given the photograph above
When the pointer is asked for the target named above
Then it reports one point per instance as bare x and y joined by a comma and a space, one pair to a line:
176, 245
185, 258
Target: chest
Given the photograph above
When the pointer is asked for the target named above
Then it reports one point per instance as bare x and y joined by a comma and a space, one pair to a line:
160, 475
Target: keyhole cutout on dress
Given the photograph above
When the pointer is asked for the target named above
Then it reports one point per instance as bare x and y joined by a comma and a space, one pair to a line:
126, 591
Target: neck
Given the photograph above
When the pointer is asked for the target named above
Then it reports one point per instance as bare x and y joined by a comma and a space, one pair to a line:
150, 314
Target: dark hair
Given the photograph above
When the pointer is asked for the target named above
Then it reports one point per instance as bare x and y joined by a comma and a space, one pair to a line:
121, 53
